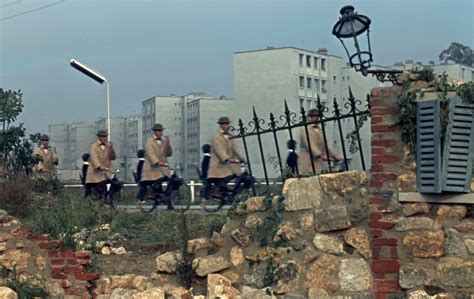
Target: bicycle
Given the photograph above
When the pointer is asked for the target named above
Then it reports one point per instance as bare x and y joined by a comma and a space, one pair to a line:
109, 191
222, 195
165, 196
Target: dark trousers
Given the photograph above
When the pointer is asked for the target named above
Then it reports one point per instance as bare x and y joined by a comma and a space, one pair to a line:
99, 188
156, 185
221, 183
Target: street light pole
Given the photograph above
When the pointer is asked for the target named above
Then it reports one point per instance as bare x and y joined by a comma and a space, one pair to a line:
98, 77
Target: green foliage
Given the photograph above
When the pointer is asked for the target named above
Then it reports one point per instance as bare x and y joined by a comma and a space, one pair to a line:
23, 288
457, 53
425, 74
406, 118
354, 136
43, 185
16, 149
269, 278
265, 232
184, 269
466, 92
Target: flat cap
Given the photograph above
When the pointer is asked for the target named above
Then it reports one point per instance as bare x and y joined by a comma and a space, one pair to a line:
158, 127
313, 112
223, 120
44, 137
102, 133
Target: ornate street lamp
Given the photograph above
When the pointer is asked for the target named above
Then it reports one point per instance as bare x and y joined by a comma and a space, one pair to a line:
350, 26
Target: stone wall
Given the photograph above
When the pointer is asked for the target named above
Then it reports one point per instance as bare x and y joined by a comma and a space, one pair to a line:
418, 248
38, 259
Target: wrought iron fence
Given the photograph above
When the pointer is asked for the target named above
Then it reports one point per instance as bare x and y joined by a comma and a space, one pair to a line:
290, 121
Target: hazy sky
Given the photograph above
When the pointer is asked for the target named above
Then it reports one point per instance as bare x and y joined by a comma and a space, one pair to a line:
148, 48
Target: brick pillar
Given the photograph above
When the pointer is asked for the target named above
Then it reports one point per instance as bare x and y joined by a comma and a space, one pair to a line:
386, 152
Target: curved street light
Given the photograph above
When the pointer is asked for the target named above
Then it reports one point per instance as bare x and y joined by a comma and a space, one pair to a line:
98, 77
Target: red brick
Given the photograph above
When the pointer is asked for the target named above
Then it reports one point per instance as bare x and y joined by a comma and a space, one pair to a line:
380, 295
87, 276
73, 269
83, 254
381, 224
376, 102
383, 142
383, 111
72, 262
375, 252
20, 231
376, 119
55, 244
376, 233
388, 176
38, 237
385, 242
383, 128
386, 286
375, 200
56, 270
375, 216
376, 168
376, 184
67, 253
57, 261
385, 91
385, 266
84, 261
377, 151
59, 276
53, 254
43, 245
385, 159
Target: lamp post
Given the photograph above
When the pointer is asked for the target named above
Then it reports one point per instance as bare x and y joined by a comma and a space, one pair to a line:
350, 26
96, 76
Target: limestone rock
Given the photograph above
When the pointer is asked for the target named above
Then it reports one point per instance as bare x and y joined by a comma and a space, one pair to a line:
355, 275
121, 293
217, 240
252, 293
323, 274
5, 236
466, 225
167, 262
455, 243
410, 209
237, 256
425, 243
40, 262
358, 238
334, 182
265, 253
219, 286
103, 285
316, 293
55, 289
302, 194
422, 294
287, 277
106, 250
209, 264
255, 276
256, 204
306, 221
152, 293
231, 275
455, 272
7, 293
469, 245
446, 212
328, 244
418, 222
241, 236
331, 218
175, 292
415, 275
285, 231
407, 182
121, 281
14, 259
198, 244
119, 251
3, 246
140, 282
253, 221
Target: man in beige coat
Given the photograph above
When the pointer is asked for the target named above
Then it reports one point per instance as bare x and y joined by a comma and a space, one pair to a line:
318, 148
47, 166
155, 169
101, 156
225, 157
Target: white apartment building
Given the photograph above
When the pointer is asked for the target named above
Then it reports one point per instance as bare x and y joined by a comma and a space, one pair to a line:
265, 78
454, 70
189, 120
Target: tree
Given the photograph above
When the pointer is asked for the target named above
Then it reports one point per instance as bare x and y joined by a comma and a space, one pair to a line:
457, 53
16, 149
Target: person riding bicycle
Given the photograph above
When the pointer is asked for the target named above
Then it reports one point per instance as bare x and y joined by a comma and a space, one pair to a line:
318, 148
101, 156
224, 158
156, 169
47, 166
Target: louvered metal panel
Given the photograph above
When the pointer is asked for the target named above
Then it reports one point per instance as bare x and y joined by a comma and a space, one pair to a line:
458, 147
428, 150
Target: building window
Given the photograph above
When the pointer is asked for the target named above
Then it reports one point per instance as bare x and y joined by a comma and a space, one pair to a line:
323, 64
308, 83
301, 59
315, 64
316, 84
301, 103
334, 78
301, 82
323, 86
308, 61
308, 105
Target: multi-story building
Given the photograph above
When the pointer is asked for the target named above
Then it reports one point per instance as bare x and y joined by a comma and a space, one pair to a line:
189, 121
454, 70
265, 78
